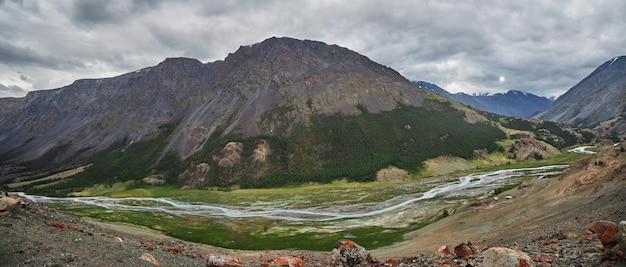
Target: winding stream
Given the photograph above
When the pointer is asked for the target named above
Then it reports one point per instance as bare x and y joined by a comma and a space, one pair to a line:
464, 187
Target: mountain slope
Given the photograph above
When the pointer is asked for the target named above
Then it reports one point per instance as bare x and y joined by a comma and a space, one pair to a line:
310, 76
590, 189
511, 103
599, 97
280, 111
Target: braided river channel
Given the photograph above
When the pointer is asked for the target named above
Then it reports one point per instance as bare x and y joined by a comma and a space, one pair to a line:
455, 190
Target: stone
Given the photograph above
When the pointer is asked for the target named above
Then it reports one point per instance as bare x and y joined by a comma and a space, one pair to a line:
151, 259
442, 250
222, 261
347, 253
284, 262
606, 231
464, 250
506, 257
9, 205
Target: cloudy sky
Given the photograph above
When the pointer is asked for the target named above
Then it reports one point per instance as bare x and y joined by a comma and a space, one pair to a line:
537, 46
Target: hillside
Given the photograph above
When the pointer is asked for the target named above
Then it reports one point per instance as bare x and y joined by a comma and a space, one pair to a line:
511, 103
278, 112
599, 97
590, 189
543, 219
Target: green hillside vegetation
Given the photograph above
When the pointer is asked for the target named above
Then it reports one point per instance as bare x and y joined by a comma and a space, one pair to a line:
324, 149
332, 147
555, 134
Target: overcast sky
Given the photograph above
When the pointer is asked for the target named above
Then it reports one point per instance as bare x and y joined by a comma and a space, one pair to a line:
542, 47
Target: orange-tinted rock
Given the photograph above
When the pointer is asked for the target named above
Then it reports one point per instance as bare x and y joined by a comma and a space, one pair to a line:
463, 251
606, 231
284, 262
506, 257
149, 258
442, 250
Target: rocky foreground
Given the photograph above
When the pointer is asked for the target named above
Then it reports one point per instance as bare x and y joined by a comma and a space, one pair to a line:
35, 235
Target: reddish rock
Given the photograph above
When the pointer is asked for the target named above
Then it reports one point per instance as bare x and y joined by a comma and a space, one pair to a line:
149, 258
284, 262
442, 250
506, 257
221, 261
465, 250
551, 241
347, 253
606, 231
541, 258
394, 262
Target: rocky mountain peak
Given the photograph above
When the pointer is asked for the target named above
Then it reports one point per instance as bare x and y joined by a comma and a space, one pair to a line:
599, 97
261, 89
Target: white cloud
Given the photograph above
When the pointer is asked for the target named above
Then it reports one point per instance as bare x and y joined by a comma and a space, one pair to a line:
543, 47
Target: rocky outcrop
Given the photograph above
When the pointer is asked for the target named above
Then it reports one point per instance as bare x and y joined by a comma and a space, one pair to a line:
230, 155
597, 98
506, 257
195, 176
347, 253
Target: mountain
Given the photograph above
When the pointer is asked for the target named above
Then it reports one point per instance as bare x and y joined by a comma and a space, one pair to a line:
599, 97
280, 111
511, 103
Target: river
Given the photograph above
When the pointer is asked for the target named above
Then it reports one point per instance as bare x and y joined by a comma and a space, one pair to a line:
466, 186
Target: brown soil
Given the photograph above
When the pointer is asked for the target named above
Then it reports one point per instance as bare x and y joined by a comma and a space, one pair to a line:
40, 236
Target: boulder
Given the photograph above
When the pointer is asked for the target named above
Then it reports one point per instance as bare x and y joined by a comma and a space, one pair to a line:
221, 261
347, 253
9, 205
506, 257
606, 231
464, 250
284, 262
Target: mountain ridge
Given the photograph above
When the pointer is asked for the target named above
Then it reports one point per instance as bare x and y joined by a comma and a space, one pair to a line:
283, 110
599, 97
511, 103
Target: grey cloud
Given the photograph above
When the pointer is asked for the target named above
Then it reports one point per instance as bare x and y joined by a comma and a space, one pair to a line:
24, 56
94, 12
543, 47
11, 90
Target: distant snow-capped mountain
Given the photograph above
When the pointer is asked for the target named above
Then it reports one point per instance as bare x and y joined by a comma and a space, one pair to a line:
511, 103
